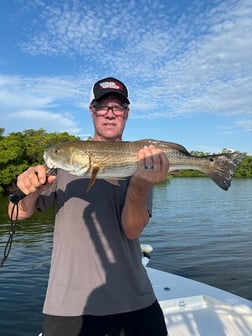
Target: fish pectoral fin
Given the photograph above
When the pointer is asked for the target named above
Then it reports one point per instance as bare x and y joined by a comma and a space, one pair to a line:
94, 173
115, 182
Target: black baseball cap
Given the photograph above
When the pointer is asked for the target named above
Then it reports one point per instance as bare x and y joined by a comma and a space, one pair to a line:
107, 86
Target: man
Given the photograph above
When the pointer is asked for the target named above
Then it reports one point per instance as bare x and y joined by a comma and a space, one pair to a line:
97, 284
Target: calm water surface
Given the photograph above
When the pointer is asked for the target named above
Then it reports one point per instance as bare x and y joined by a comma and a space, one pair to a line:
197, 230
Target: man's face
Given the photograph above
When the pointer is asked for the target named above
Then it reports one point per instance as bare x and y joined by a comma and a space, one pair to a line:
109, 123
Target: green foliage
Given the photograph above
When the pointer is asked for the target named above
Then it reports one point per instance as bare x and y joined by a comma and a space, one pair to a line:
11, 148
20, 150
244, 169
2, 130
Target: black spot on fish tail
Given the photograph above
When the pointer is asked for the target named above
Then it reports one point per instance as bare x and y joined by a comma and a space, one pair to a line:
222, 168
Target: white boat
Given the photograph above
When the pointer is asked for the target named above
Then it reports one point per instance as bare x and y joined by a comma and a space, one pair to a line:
192, 308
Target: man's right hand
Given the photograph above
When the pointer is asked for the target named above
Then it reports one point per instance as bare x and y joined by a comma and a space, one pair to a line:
33, 179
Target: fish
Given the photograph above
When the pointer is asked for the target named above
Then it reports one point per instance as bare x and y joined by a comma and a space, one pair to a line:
115, 160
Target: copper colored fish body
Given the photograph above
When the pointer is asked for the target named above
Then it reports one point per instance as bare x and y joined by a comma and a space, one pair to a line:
117, 160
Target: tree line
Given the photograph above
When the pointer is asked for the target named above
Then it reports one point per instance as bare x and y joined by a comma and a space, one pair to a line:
20, 150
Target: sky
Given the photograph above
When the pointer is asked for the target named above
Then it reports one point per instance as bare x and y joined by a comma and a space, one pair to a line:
187, 65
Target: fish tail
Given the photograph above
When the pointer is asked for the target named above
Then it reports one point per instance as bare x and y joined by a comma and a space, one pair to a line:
222, 168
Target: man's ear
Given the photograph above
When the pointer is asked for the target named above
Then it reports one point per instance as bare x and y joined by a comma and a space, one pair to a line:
127, 113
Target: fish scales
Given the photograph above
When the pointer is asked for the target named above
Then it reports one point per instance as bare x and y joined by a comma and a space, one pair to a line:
116, 160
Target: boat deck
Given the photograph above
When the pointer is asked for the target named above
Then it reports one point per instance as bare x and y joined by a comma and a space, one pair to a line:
192, 308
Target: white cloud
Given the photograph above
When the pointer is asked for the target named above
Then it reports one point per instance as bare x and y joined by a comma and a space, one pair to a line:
175, 62
45, 120
246, 125
31, 102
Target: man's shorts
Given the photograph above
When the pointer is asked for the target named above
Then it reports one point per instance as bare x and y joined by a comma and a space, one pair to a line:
144, 322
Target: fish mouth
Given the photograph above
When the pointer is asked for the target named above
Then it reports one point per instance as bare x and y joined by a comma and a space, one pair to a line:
49, 162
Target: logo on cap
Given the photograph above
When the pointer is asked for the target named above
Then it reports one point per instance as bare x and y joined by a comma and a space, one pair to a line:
111, 85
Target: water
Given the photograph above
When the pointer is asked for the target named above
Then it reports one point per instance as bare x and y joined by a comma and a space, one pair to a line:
204, 233
197, 230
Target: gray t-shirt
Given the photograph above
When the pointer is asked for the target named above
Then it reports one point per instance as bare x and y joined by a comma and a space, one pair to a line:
95, 269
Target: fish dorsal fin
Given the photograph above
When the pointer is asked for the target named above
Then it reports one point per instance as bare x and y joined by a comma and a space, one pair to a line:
163, 145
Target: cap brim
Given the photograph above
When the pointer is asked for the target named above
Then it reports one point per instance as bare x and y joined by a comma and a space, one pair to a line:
111, 92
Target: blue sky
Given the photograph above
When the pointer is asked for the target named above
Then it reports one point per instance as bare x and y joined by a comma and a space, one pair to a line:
187, 65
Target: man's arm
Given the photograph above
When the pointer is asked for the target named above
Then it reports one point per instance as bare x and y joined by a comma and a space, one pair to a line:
32, 182
135, 215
